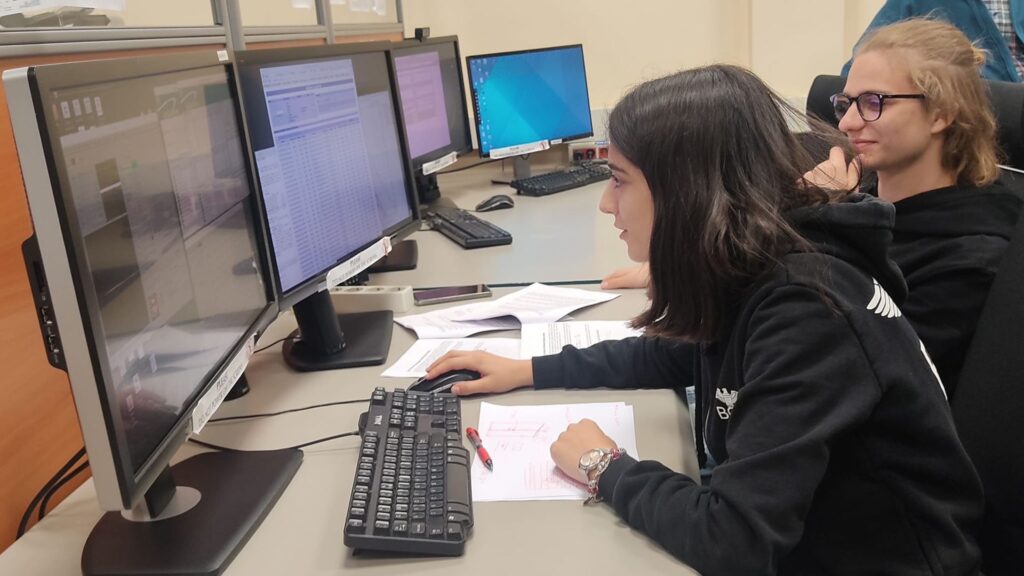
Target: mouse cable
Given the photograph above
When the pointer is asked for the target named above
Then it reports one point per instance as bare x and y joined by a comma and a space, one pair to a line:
296, 447
289, 411
272, 344
23, 525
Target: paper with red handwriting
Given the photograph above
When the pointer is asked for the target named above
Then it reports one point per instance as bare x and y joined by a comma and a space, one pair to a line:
519, 440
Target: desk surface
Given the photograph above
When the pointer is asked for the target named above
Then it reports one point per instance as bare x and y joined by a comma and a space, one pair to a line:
556, 238
303, 533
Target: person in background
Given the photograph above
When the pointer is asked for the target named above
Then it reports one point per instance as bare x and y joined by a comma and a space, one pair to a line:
995, 26
917, 113
835, 446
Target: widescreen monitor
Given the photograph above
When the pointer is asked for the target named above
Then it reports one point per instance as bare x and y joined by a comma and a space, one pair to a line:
335, 186
148, 271
528, 100
428, 79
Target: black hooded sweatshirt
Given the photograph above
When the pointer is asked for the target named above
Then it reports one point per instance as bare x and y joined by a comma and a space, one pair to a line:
836, 449
948, 243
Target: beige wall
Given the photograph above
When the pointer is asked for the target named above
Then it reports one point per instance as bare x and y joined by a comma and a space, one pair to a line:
787, 42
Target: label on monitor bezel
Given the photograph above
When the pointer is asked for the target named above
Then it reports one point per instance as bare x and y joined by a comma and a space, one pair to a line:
359, 262
208, 404
442, 162
520, 149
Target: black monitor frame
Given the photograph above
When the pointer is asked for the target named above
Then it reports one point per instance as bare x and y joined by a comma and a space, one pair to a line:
522, 168
320, 343
427, 184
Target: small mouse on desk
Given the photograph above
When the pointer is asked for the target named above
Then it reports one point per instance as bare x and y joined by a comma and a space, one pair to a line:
496, 202
444, 382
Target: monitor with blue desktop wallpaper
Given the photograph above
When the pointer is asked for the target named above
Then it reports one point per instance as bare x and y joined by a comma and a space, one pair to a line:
528, 97
147, 267
334, 181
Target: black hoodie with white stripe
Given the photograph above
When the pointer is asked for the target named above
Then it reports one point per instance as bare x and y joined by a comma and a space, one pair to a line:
836, 449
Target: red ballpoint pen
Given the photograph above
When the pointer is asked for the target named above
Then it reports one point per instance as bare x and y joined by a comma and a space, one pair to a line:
481, 452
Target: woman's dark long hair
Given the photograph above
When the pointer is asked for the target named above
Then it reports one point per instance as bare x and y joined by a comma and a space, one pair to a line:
723, 168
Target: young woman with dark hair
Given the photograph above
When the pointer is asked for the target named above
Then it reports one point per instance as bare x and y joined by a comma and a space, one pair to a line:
836, 450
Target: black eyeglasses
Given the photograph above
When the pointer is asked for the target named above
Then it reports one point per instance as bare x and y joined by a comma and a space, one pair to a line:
869, 104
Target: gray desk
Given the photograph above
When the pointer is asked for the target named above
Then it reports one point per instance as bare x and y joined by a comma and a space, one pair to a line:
303, 533
556, 238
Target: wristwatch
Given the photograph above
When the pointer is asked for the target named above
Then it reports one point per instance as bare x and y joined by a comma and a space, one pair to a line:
593, 463
590, 460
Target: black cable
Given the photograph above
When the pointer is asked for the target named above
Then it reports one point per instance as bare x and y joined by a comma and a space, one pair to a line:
247, 416
470, 166
58, 485
296, 447
272, 344
23, 525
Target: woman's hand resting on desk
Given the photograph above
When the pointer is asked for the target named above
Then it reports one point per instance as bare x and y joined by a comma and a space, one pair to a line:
497, 374
578, 439
628, 277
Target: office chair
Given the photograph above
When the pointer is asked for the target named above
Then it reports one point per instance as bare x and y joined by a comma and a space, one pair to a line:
987, 409
1007, 102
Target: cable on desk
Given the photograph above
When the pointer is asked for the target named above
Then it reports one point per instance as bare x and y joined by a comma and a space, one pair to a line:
23, 525
58, 485
272, 344
296, 447
264, 415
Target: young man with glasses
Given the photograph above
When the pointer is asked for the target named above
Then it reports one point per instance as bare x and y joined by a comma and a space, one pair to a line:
917, 114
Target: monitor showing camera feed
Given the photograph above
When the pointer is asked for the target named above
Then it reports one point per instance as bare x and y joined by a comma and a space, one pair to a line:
527, 97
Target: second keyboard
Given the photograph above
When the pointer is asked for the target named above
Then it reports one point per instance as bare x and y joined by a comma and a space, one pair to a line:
544, 184
466, 229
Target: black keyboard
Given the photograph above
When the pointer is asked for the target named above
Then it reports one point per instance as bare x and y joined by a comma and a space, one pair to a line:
544, 184
411, 492
465, 229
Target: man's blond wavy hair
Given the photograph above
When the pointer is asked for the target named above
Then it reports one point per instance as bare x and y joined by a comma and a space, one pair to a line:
945, 66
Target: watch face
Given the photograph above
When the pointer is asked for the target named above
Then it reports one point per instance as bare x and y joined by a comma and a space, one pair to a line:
590, 458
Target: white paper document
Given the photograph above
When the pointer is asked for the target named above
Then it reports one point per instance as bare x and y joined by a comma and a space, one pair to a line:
519, 440
535, 303
423, 353
544, 339
439, 324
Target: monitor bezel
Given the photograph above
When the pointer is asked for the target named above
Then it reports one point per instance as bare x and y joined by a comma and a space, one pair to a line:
257, 58
419, 161
118, 485
476, 108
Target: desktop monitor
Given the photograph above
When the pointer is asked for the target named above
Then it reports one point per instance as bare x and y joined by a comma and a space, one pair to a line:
428, 79
335, 187
147, 270
528, 100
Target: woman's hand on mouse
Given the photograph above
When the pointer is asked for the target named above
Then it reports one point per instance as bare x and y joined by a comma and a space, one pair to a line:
497, 374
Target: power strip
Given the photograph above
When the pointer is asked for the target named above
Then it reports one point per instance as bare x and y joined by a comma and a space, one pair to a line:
366, 298
588, 150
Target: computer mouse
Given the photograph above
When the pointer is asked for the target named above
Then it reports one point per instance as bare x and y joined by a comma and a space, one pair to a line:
496, 202
444, 382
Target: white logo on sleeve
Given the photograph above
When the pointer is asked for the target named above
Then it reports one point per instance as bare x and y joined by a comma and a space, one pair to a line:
727, 397
934, 370
882, 304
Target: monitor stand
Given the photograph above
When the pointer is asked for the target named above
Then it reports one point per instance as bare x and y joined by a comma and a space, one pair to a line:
195, 518
520, 169
327, 340
403, 256
427, 188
